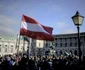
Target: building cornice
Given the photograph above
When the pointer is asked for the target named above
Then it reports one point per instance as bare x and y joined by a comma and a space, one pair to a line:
69, 35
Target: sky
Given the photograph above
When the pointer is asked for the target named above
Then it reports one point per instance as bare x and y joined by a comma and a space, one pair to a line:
54, 13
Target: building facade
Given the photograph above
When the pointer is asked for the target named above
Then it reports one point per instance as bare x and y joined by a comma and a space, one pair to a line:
63, 44
7, 46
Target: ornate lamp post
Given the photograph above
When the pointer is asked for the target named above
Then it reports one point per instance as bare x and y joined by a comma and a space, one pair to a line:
78, 19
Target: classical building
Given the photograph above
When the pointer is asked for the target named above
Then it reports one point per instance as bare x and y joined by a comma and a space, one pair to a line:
68, 44
7, 46
63, 44
10, 46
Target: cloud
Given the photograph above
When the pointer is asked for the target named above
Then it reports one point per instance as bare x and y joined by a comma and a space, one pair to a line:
61, 25
5, 21
4, 31
8, 5
6, 26
69, 31
64, 28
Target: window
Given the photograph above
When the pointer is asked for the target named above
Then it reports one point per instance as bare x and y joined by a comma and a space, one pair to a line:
75, 44
56, 44
11, 45
70, 51
84, 37
71, 44
5, 49
61, 44
39, 44
75, 52
60, 39
0, 49
56, 52
5, 45
46, 44
70, 39
80, 43
75, 38
11, 50
55, 39
65, 44
65, 39
61, 52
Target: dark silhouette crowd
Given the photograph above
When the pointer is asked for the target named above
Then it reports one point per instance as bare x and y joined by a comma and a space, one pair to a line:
17, 62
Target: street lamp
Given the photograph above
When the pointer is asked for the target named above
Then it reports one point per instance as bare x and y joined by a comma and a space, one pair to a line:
78, 19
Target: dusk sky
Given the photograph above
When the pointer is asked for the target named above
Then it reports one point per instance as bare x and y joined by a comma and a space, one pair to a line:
53, 13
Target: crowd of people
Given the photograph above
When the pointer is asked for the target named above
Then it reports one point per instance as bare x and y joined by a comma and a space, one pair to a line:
16, 62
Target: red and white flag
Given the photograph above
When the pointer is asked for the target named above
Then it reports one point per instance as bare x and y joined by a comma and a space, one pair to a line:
31, 28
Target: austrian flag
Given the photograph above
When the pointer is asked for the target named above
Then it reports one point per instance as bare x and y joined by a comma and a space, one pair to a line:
31, 28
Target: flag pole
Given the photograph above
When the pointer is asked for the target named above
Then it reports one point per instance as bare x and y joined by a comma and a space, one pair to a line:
18, 38
29, 49
23, 46
18, 41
